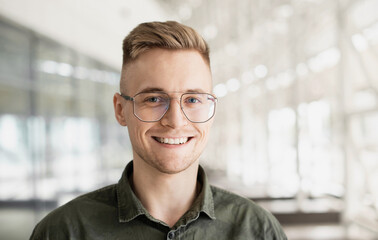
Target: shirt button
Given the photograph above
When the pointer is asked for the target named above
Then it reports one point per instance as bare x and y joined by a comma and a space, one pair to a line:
171, 235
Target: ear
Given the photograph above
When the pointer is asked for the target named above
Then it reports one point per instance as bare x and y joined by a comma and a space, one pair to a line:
119, 109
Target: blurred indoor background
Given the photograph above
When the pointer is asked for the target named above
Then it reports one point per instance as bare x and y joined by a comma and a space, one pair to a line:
297, 121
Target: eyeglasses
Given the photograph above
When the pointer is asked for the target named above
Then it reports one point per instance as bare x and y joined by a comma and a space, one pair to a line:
151, 106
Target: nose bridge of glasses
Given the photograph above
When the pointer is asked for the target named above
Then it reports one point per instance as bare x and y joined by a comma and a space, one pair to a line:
174, 104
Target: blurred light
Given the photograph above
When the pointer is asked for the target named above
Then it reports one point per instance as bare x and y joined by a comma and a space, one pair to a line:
95, 75
48, 189
302, 109
364, 100
220, 90
48, 66
318, 115
283, 79
185, 12
371, 33
247, 77
233, 85
65, 69
324, 60
261, 71
81, 73
280, 118
231, 49
210, 32
302, 69
9, 133
360, 42
329, 57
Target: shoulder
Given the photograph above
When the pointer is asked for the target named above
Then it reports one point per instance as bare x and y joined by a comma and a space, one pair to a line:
226, 199
245, 214
63, 222
105, 197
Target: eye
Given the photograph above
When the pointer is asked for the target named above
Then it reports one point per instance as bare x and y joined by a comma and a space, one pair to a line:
152, 99
192, 100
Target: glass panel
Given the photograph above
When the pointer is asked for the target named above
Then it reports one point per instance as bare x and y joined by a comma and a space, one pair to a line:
14, 55
16, 169
53, 79
282, 152
320, 168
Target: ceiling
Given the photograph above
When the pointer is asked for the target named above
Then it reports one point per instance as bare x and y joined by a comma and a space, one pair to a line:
249, 39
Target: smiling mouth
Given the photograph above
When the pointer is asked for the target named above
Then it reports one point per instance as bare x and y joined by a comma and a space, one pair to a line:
172, 141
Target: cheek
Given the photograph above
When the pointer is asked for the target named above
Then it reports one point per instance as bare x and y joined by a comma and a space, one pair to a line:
136, 130
205, 131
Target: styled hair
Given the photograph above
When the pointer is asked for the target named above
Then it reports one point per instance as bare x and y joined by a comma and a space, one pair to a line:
166, 35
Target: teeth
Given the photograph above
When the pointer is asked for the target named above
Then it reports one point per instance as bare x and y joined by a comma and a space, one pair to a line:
173, 141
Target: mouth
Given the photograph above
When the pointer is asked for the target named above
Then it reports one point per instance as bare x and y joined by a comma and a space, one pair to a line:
172, 141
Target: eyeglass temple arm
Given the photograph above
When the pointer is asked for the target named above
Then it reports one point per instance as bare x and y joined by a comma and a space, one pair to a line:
128, 98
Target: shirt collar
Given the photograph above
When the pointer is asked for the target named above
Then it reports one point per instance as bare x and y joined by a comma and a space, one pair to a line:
129, 206
204, 202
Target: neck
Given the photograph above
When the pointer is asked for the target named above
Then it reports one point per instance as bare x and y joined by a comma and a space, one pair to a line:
165, 196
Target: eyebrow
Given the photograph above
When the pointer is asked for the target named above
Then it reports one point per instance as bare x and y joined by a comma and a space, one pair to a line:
154, 89
151, 89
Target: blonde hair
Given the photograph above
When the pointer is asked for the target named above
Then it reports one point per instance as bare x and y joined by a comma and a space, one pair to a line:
167, 35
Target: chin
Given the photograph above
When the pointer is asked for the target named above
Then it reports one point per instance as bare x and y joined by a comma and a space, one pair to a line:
172, 166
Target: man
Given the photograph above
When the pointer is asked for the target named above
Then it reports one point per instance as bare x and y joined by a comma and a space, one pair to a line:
165, 101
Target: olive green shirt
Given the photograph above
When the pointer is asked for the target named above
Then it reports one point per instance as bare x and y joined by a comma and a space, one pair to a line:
114, 212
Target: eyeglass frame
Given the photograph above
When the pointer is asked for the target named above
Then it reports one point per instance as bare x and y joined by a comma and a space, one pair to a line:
132, 99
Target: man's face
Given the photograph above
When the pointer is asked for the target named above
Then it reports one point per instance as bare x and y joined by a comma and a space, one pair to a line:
174, 72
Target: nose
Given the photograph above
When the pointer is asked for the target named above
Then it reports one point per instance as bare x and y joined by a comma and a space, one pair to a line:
174, 117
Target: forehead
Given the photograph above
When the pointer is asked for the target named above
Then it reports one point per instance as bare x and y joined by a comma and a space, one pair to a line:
169, 70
